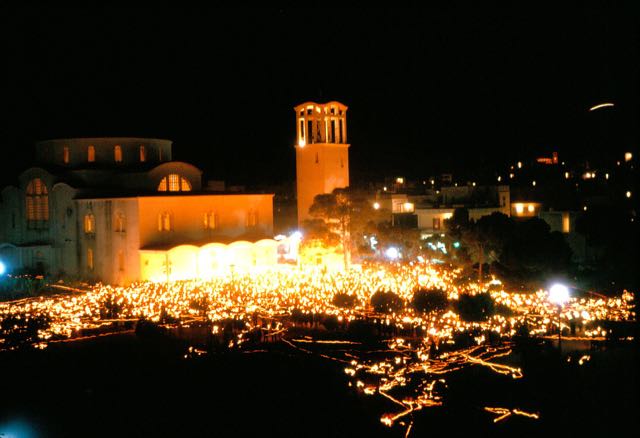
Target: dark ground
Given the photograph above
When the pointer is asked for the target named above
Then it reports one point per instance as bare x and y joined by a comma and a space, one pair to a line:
130, 386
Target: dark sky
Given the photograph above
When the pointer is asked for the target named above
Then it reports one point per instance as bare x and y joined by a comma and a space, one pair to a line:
446, 88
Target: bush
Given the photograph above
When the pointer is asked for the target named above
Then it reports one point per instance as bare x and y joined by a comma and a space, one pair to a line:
478, 307
386, 302
429, 300
344, 300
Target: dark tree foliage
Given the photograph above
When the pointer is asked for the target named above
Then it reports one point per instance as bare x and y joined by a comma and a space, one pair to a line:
344, 300
386, 302
535, 251
429, 300
478, 307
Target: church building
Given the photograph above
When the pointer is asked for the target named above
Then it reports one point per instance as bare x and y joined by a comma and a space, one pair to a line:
120, 210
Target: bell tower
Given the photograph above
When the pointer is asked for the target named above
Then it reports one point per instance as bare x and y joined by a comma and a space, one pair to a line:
322, 151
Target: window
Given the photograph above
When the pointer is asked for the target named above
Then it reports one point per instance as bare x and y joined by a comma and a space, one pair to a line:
117, 153
436, 223
143, 154
174, 183
91, 154
37, 203
252, 218
119, 223
65, 155
120, 260
210, 220
164, 222
89, 223
90, 258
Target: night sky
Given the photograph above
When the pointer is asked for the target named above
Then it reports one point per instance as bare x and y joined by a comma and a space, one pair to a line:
442, 89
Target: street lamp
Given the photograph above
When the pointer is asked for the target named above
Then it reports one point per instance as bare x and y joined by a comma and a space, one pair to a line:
559, 295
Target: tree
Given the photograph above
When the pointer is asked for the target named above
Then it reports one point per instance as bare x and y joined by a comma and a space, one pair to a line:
386, 302
342, 218
475, 308
429, 300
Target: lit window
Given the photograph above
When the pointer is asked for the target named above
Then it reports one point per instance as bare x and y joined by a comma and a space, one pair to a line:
143, 154
117, 153
566, 223
530, 208
174, 183
90, 258
91, 154
210, 221
65, 155
37, 203
164, 222
436, 223
89, 223
519, 208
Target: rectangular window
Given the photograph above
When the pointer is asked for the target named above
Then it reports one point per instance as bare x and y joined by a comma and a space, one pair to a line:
174, 182
436, 223
143, 154
117, 153
309, 131
90, 258
164, 222
332, 133
211, 221
119, 225
566, 223
91, 154
340, 138
252, 218
65, 155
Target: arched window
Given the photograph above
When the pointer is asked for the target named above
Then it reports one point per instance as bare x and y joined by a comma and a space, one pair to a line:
89, 223
119, 223
91, 153
117, 153
174, 183
143, 154
37, 203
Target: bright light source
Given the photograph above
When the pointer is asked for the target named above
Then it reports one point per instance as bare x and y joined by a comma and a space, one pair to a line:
376, 206
392, 253
519, 164
533, 183
408, 206
628, 156
584, 208
530, 208
602, 105
499, 178
559, 294
296, 235
566, 175
302, 143
400, 180
628, 194
456, 244
519, 208
3, 268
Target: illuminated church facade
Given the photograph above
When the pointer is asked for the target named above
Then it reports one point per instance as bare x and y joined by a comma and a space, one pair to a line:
120, 210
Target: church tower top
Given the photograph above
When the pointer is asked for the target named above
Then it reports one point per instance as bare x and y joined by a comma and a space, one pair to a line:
324, 123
